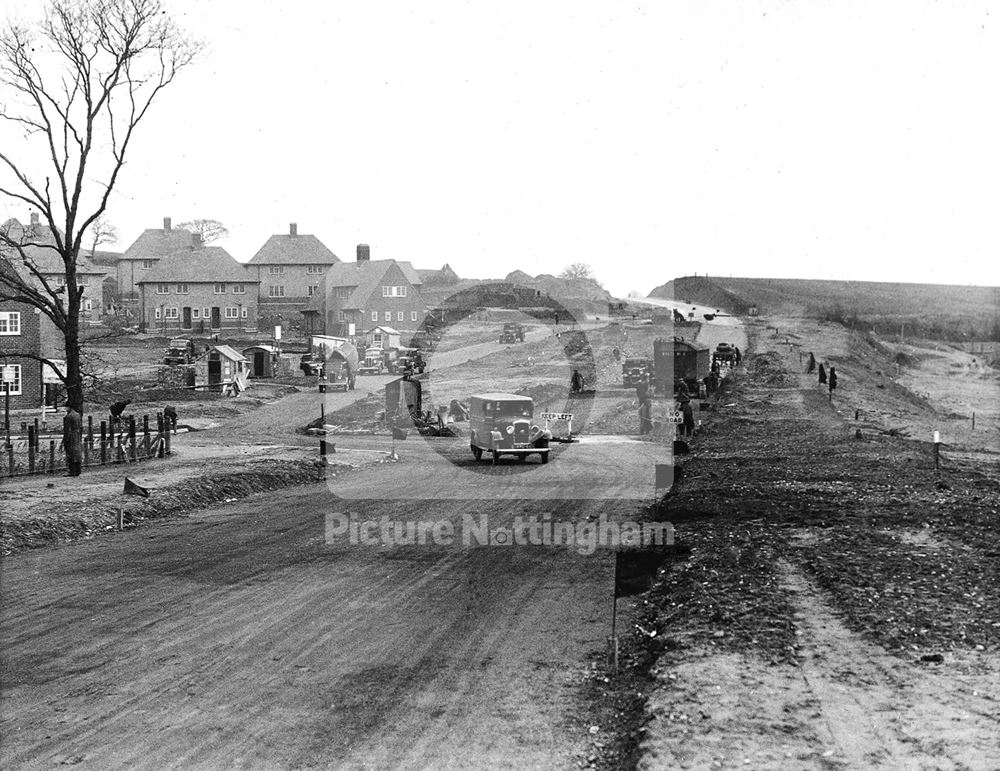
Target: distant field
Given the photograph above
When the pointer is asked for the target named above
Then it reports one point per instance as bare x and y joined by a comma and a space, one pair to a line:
934, 310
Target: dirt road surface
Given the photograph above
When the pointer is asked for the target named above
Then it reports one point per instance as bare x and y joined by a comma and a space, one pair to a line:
240, 638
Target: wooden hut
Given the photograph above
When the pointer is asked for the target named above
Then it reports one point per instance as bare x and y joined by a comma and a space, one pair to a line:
262, 360
224, 369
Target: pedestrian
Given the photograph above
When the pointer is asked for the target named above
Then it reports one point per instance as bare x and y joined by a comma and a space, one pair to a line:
833, 381
645, 416
811, 366
170, 418
642, 390
687, 412
73, 441
822, 375
576, 382
739, 355
350, 379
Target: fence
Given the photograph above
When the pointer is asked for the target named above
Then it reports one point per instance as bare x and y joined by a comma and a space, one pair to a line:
126, 441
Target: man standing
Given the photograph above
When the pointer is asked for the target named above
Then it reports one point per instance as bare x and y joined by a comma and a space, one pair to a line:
687, 412
576, 382
645, 415
832, 381
73, 441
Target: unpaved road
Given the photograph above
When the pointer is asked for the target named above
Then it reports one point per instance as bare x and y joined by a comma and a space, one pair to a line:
241, 638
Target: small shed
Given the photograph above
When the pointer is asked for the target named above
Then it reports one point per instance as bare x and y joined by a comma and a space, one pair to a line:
382, 337
262, 360
224, 369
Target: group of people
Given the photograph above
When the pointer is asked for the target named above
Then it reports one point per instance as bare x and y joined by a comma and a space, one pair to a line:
644, 395
829, 379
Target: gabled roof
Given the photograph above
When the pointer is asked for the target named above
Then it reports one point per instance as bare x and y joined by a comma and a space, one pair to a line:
363, 277
37, 240
228, 352
159, 242
286, 249
210, 264
387, 330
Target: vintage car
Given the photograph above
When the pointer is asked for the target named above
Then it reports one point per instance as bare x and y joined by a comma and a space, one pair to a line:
375, 362
634, 369
180, 350
512, 333
500, 424
311, 364
408, 361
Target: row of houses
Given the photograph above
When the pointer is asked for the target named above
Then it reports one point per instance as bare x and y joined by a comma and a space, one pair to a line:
167, 281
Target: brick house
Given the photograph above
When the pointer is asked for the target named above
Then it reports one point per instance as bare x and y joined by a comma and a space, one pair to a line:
200, 291
291, 268
366, 294
35, 240
141, 257
25, 332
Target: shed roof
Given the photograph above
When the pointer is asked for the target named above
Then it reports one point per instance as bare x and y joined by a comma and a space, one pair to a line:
501, 397
261, 347
210, 264
286, 249
228, 352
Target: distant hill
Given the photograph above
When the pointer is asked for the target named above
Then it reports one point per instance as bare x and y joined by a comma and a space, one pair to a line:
518, 289
935, 310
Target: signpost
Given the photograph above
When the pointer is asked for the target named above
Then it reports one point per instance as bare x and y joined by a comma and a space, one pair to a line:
9, 374
567, 416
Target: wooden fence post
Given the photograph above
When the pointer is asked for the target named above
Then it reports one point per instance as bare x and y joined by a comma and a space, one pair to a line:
31, 449
104, 443
10, 458
145, 435
52, 456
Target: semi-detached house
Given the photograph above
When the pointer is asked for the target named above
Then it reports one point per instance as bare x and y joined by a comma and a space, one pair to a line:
201, 290
365, 294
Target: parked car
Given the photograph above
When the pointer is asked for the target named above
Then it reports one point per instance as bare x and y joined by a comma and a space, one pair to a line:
501, 424
512, 333
311, 364
408, 361
634, 369
180, 350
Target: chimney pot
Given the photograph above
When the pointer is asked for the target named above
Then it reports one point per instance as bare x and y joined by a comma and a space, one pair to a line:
293, 229
364, 253
166, 223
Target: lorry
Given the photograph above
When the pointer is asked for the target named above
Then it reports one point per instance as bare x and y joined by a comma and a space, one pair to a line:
676, 361
634, 369
180, 350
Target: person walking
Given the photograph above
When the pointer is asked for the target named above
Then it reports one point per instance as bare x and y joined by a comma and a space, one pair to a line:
576, 382
687, 413
73, 441
645, 416
811, 366
832, 381
822, 375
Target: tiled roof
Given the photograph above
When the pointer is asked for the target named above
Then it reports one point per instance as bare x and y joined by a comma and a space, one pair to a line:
210, 264
45, 259
364, 276
285, 249
157, 242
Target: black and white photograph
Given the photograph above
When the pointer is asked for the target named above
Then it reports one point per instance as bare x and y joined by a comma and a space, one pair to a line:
530, 385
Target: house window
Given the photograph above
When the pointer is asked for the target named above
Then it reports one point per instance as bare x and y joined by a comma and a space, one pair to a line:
341, 316
343, 292
83, 280
157, 314
15, 385
10, 323
394, 291
399, 316
314, 269
374, 315
204, 313
413, 315
220, 288
312, 290
196, 313
243, 312
376, 339
276, 270
276, 291
170, 313
232, 313
182, 289
163, 288
147, 264
239, 289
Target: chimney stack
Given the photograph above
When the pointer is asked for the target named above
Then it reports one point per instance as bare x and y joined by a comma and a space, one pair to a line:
196, 242
166, 223
293, 229
34, 219
364, 253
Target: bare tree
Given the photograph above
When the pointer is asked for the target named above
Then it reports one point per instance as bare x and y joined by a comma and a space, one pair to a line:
74, 88
209, 230
578, 270
102, 232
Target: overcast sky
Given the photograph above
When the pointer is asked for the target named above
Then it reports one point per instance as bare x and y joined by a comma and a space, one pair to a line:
796, 139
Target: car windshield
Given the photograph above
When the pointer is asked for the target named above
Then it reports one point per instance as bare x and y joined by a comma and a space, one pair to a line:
507, 409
